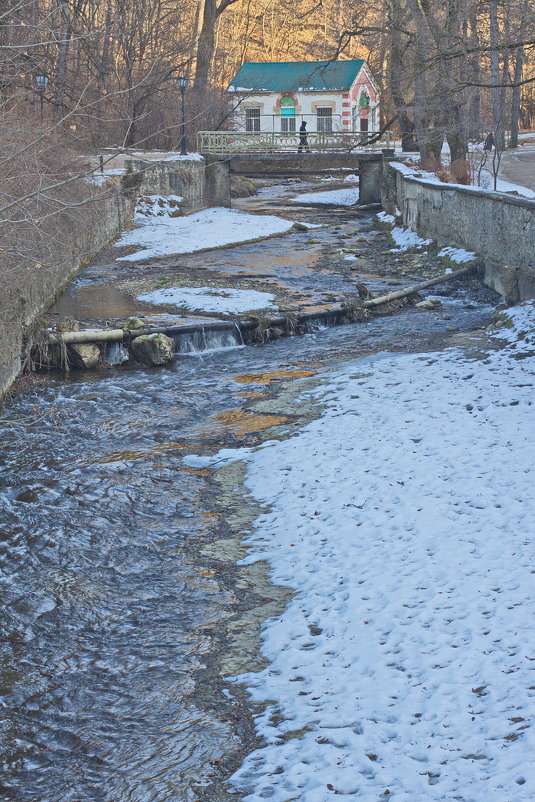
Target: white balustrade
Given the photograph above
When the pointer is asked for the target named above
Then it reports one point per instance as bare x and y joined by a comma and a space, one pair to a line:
270, 142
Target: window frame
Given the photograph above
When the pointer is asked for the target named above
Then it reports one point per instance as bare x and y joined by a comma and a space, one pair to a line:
324, 119
252, 119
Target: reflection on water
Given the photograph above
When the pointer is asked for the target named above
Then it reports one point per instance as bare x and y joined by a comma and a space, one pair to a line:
106, 608
95, 302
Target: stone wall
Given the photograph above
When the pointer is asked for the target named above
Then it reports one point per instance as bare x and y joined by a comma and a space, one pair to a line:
200, 182
500, 228
32, 290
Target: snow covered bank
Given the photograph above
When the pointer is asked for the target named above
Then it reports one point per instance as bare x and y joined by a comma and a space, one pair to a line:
210, 228
431, 178
405, 238
402, 517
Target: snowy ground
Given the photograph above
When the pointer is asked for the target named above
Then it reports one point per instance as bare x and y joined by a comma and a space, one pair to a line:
486, 185
505, 186
402, 519
210, 228
339, 197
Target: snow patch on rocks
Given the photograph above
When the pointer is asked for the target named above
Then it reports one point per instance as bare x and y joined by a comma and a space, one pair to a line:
405, 239
210, 228
211, 299
458, 255
338, 197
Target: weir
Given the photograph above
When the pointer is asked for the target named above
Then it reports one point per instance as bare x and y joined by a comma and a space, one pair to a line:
116, 344
204, 339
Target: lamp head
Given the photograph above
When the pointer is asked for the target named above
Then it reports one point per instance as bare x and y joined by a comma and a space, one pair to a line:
41, 80
182, 81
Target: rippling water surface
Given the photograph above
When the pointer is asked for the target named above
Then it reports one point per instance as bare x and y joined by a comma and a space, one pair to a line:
105, 611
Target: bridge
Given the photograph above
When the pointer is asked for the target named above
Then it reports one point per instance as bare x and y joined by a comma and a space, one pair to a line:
274, 154
268, 142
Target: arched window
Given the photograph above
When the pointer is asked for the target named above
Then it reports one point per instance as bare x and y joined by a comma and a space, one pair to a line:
287, 107
364, 107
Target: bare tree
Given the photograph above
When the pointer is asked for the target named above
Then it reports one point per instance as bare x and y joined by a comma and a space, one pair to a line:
212, 10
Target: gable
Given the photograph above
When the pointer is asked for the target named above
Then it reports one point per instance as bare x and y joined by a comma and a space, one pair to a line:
294, 76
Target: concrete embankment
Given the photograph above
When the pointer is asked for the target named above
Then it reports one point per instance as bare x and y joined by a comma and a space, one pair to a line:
30, 289
498, 226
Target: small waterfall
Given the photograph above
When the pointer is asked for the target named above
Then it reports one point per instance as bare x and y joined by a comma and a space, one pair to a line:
238, 332
116, 354
207, 339
313, 326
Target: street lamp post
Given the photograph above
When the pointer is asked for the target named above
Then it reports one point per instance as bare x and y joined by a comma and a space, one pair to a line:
42, 82
182, 84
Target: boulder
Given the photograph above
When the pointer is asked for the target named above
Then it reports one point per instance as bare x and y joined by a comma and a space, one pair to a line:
429, 303
85, 355
242, 187
153, 349
133, 323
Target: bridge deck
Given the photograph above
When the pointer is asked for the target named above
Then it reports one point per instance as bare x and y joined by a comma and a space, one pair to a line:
274, 142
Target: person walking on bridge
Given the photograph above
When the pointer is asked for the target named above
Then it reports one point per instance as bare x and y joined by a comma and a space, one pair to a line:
303, 138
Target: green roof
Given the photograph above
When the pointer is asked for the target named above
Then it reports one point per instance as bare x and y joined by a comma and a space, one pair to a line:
292, 76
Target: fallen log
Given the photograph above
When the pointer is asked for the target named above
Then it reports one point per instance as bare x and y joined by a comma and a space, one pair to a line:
116, 335
85, 336
391, 296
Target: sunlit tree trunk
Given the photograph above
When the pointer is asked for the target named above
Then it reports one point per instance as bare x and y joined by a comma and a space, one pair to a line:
497, 107
515, 100
206, 42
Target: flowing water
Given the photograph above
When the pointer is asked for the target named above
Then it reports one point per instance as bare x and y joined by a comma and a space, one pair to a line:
107, 608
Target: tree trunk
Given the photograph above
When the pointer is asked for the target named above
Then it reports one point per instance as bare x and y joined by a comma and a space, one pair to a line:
205, 45
391, 296
497, 108
474, 112
393, 75
61, 63
515, 100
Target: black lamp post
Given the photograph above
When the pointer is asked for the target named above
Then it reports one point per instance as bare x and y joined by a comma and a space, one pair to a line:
182, 84
42, 82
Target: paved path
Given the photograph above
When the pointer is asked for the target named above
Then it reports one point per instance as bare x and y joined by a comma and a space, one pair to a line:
518, 166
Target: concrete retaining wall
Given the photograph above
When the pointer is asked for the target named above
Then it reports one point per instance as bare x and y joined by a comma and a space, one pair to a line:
500, 228
31, 291
200, 182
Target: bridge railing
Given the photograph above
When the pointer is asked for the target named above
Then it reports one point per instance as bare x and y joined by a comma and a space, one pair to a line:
270, 142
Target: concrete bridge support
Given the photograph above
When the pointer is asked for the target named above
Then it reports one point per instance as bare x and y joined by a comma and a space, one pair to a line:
368, 165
